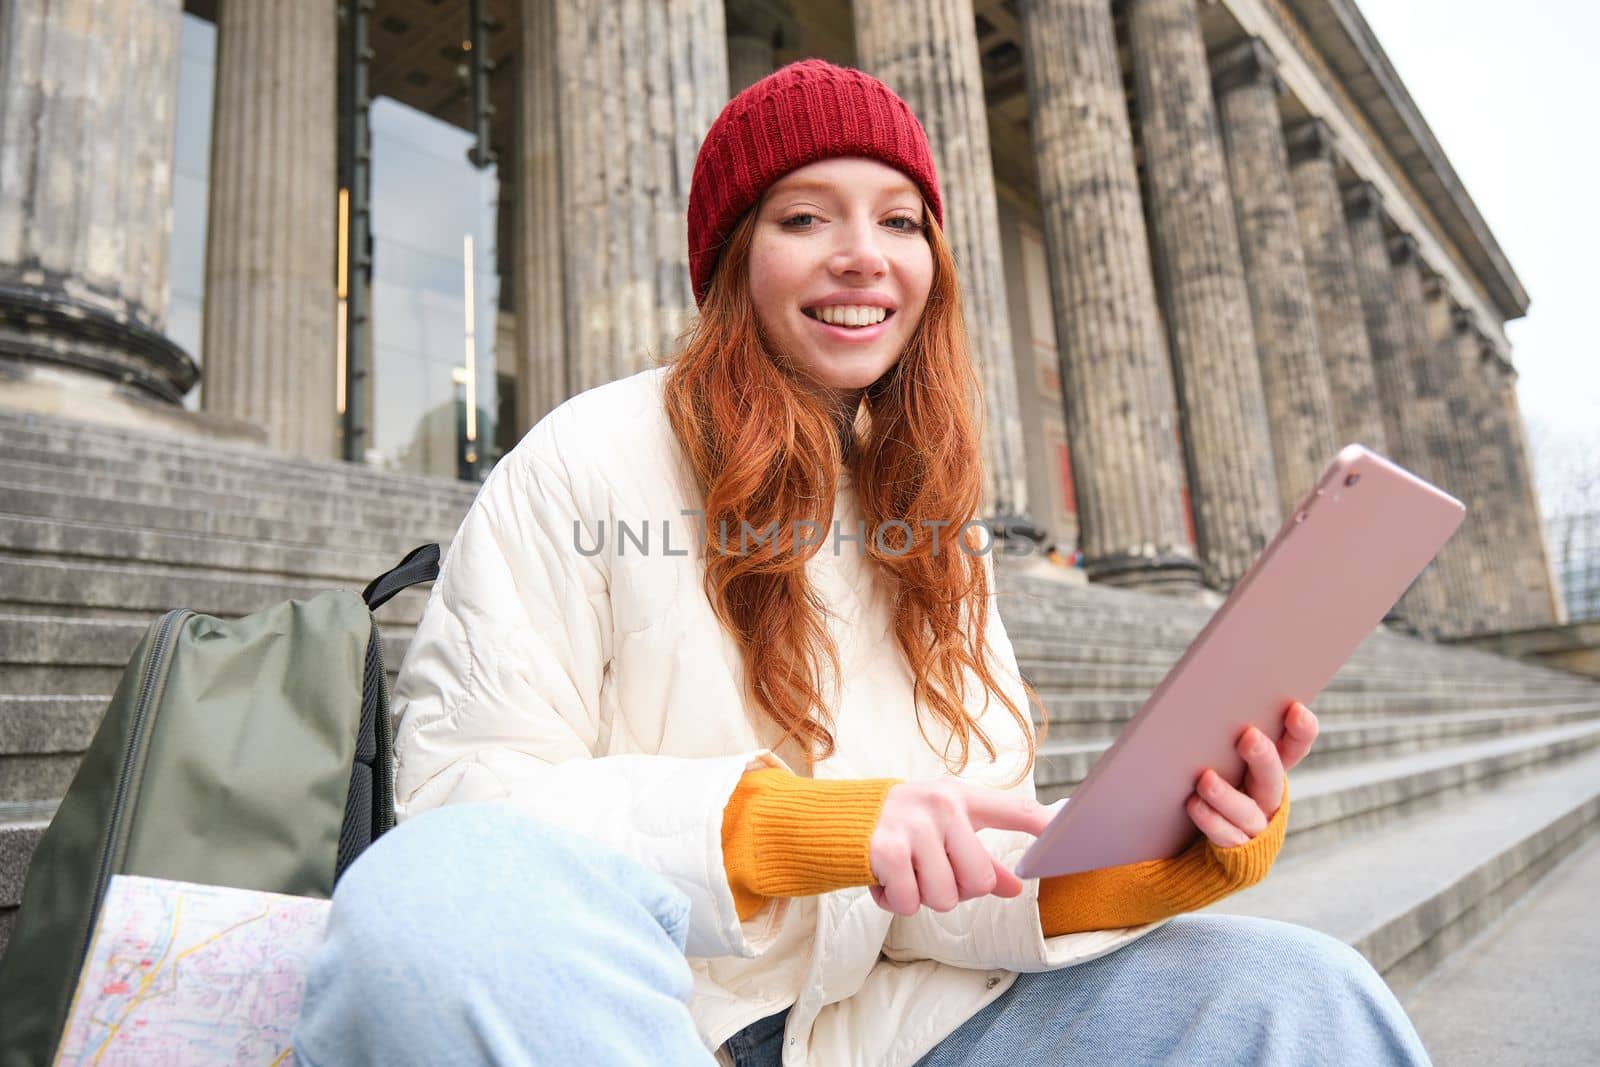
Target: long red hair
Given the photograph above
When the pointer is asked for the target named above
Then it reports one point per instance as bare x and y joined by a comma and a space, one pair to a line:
767, 445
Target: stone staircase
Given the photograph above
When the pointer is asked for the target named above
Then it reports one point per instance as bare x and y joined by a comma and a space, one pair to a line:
1446, 781
101, 530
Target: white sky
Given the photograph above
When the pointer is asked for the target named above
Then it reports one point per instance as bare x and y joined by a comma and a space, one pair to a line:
1512, 91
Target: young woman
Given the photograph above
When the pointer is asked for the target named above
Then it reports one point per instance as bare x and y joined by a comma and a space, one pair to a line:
712, 745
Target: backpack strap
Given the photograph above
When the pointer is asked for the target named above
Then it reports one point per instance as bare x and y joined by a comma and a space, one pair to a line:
420, 565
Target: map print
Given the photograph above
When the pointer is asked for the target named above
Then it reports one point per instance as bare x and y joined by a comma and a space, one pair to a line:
184, 974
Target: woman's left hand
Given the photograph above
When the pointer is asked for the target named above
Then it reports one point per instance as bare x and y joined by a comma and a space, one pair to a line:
1230, 816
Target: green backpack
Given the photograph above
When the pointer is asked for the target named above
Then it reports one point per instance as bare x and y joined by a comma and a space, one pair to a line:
255, 753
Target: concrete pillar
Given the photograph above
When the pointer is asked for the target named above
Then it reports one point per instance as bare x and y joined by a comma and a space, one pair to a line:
271, 240
639, 83
1126, 466
928, 53
1201, 271
1335, 289
756, 30
87, 128
1293, 377
541, 364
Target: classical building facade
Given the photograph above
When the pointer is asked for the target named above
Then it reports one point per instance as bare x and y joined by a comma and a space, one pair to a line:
1203, 244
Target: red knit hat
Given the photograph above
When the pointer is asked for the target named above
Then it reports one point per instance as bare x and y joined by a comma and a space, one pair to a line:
807, 111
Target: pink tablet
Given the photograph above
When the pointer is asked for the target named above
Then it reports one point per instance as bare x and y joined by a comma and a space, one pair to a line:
1341, 560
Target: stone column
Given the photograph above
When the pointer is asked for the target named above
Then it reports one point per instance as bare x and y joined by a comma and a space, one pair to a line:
1115, 374
756, 29
87, 127
928, 53
1427, 431
1293, 377
1483, 570
1497, 513
1231, 471
542, 371
1536, 601
1389, 331
271, 241
639, 83
1335, 289
1438, 380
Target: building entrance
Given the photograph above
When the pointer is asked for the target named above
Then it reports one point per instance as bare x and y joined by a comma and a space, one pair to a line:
421, 217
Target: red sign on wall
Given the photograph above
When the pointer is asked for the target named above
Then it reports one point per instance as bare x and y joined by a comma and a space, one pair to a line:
1069, 495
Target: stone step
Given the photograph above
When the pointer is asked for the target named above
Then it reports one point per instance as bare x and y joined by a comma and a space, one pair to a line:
1132, 631
54, 539
70, 438
1409, 892
1091, 716
1092, 638
140, 590
20, 826
199, 471
1062, 764
1143, 644
1332, 802
1355, 677
1034, 607
83, 588
1068, 677
43, 736
1093, 644
53, 655
290, 530
41, 725
1128, 628
1396, 802
312, 504
1490, 1002
269, 480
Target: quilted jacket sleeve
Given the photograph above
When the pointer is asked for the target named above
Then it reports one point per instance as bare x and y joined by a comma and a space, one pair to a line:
993, 932
499, 694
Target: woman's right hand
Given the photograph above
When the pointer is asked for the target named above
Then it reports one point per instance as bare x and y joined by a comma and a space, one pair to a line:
925, 849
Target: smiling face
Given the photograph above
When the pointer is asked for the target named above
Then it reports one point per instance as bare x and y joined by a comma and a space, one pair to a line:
840, 269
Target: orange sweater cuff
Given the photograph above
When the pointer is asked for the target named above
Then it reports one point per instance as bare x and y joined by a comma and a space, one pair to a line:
787, 836
1138, 893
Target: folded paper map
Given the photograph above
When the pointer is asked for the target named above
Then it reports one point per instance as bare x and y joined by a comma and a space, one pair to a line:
182, 974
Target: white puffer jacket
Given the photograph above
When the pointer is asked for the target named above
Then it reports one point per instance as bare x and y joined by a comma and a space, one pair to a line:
598, 691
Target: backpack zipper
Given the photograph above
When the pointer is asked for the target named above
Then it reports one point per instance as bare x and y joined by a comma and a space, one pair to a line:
153, 679
383, 764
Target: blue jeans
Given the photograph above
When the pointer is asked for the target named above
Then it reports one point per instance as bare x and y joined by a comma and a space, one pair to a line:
473, 934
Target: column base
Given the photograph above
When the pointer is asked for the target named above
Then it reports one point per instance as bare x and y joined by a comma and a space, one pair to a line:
1165, 571
45, 324
58, 390
1398, 622
1022, 547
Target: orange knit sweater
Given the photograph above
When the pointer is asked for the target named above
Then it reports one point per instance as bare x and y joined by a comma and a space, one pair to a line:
787, 836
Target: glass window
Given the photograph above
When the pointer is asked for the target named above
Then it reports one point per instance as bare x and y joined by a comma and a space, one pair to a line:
431, 211
191, 180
